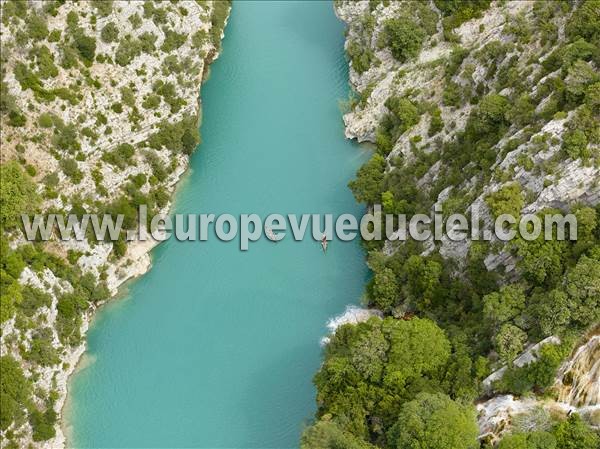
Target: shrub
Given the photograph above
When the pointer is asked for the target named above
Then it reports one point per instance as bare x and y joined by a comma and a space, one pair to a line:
43, 423
456, 12
368, 185
71, 169
217, 20
17, 194
54, 36
178, 137
121, 156
404, 37
127, 51
452, 95
135, 20
104, 7
16, 119
146, 42
436, 123
37, 27
360, 56
151, 102
110, 33
575, 144
434, 421
585, 22
86, 47
127, 96
173, 41
15, 391
199, 38
506, 200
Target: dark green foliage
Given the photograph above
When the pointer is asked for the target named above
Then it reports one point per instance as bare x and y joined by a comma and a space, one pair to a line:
180, 137
41, 351
16, 119
71, 169
151, 102
65, 137
507, 200
360, 55
328, 435
571, 433
121, 156
217, 20
33, 300
434, 421
372, 368
15, 391
17, 195
538, 375
127, 51
110, 32
452, 95
404, 37
456, 12
575, 434
168, 92
43, 423
103, 7
37, 27
173, 40
575, 144
368, 184
436, 123
127, 96
86, 47
199, 38
45, 62
585, 22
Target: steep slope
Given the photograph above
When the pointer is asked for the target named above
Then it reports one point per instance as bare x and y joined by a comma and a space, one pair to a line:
100, 113
481, 108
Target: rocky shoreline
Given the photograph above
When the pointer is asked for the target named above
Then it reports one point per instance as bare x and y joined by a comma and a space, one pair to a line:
150, 22
454, 58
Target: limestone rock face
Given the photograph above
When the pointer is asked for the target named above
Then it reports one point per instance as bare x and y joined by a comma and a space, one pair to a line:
99, 97
491, 56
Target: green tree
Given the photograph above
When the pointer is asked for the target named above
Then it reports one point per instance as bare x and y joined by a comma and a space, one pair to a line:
86, 47
434, 421
530, 440
17, 194
510, 342
585, 22
575, 434
15, 391
507, 200
385, 290
404, 37
110, 32
575, 144
368, 184
328, 435
583, 288
504, 305
37, 27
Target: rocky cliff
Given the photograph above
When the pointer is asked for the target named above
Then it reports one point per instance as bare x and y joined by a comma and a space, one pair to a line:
488, 107
100, 112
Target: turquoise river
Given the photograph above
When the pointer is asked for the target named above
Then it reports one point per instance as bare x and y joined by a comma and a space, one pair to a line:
214, 347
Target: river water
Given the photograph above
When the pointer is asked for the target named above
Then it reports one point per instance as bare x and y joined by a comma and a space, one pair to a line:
214, 347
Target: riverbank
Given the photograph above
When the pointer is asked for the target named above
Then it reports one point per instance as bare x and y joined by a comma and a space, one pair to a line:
465, 112
101, 169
